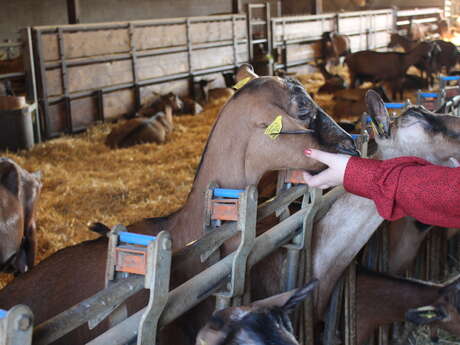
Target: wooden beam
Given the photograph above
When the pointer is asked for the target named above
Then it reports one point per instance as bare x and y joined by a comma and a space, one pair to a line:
73, 11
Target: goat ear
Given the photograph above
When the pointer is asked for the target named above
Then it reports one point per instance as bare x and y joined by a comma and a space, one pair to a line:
245, 71
9, 176
426, 315
378, 113
299, 296
287, 300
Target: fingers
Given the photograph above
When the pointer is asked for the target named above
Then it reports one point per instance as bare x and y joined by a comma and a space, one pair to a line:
324, 157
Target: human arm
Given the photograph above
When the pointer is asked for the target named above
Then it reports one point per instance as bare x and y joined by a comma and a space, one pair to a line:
405, 186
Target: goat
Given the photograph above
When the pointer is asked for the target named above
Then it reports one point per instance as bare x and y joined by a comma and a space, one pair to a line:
211, 95
263, 322
156, 104
142, 130
190, 106
350, 103
334, 46
445, 54
382, 299
332, 82
388, 66
240, 127
19, 195
338, 237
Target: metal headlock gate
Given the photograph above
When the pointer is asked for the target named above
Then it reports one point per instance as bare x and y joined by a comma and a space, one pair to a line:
293, 232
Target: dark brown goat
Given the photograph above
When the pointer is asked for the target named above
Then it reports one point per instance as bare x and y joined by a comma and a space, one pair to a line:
388, 66
350, 103
445, 56
19, 194
263, 322
333, 82
239, 129
334, 46
383, 299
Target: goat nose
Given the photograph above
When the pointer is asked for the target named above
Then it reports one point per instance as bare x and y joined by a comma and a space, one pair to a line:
348, 150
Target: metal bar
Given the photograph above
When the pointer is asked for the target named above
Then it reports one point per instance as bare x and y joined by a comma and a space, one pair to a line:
65, 81
418, 12
195, 290
157, 52
133, 53
100, 105
235, 45
68, 115
189, 46
12, 75
42, 83
31, 84
63, 323
10, 45
157, 281
249, 29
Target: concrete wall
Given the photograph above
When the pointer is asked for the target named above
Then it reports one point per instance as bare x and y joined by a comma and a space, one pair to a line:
15, 14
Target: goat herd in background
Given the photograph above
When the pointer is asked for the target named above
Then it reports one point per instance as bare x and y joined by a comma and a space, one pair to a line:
78, 272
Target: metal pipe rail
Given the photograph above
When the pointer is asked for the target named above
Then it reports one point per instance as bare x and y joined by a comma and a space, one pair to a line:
201, 286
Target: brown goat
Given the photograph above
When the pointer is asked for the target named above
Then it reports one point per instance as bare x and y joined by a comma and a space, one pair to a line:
445, 56
388, 66
210, 95
350, 103
19, 194
382, 299
333, 82
239, 129
333, 46
142, 130
157, 103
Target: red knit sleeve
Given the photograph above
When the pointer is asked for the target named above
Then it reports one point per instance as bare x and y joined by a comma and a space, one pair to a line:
407, 186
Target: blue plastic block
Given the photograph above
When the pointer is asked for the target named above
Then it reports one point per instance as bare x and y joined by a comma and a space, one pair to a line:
3, 313
395, 105
227, 193
451, 77
355, 136
428, 94
129, 237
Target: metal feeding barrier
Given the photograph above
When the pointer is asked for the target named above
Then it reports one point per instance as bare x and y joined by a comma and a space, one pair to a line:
16, 326
149, 258
430, 100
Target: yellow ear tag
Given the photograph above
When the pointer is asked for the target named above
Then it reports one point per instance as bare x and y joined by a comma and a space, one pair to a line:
241, 83
374, 129
274, 129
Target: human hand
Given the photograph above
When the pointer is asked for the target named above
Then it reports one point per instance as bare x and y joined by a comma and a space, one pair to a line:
332, 176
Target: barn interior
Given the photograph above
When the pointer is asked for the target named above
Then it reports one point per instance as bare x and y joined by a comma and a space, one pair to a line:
113, 103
